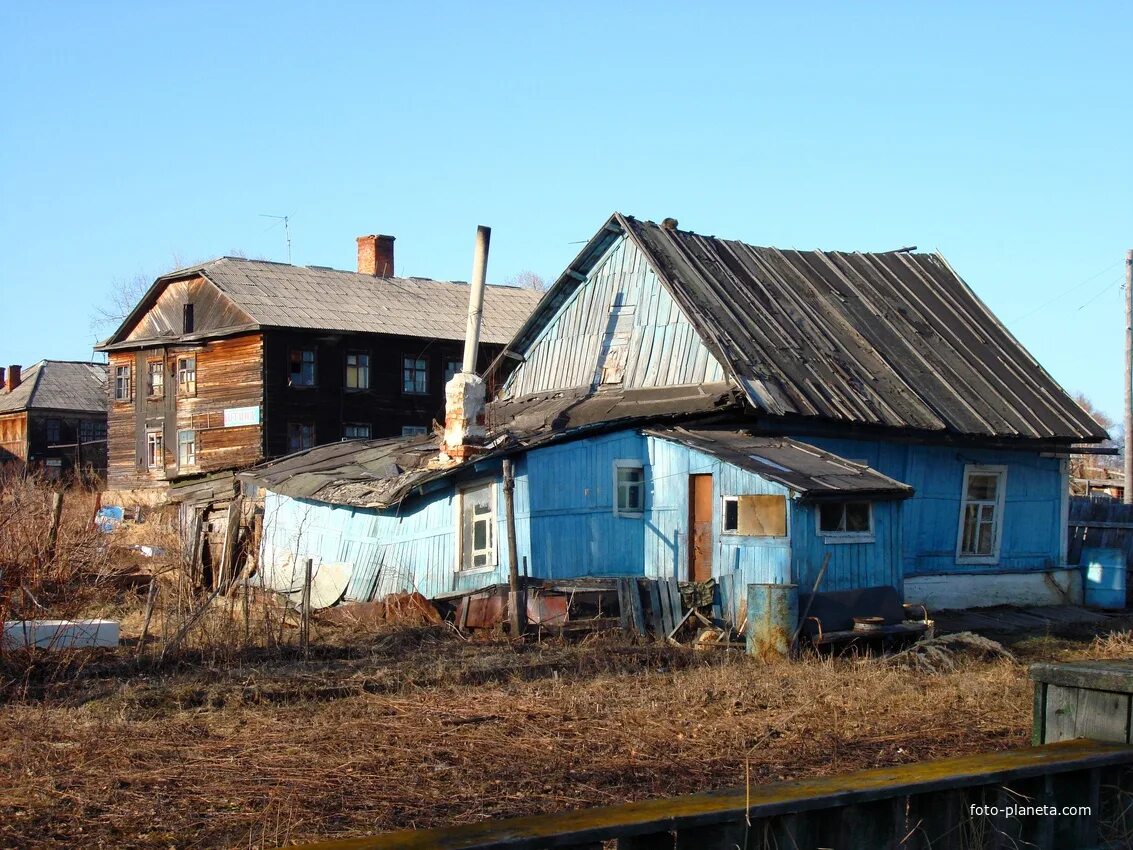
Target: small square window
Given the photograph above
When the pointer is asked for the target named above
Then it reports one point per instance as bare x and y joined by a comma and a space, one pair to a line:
357, 370
122, 383
302, 367
414, 375
414, 430
356, 431
845, 518
629, 488
186, 376
187, 448
155, 378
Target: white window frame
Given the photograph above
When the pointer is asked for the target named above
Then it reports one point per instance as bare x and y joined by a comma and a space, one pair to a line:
181, 443
494, 550
357, 426
155, 388
999, 504
122, 384
619, 465
155, 438
724, 500
419, 368
186, 375
845, 536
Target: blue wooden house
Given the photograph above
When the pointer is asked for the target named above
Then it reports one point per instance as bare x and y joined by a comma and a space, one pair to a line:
681, 406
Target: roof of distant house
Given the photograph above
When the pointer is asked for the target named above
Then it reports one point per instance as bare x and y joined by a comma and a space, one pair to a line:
58, 385
321, 298
893, 339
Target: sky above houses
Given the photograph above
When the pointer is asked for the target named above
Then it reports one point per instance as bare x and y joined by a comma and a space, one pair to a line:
138, 137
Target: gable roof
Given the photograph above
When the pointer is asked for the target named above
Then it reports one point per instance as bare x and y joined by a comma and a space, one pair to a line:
321, 298
893, 339
59, 385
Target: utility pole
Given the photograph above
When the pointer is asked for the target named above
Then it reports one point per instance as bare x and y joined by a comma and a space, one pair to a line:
1126, 454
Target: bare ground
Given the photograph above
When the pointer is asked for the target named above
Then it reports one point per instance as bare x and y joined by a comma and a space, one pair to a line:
415, 727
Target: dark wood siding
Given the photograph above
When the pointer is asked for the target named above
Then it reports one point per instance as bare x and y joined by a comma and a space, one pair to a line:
328, 405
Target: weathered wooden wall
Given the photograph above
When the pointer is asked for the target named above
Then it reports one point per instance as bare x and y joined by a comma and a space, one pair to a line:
1100, 522
623, 295
13, 437
212, 310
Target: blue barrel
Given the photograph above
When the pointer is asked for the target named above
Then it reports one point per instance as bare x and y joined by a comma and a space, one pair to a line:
1104, 571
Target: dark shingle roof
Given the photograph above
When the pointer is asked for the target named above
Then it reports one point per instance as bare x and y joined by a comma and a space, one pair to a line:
809, 471
59, 385
895, 339
320, 298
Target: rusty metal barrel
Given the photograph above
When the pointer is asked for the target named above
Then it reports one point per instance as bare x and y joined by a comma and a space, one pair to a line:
772, 616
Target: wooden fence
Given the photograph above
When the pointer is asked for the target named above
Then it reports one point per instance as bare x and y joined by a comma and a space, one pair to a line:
1100, 522
910, 807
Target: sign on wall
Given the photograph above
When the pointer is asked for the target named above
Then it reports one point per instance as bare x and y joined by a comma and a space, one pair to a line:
235, 417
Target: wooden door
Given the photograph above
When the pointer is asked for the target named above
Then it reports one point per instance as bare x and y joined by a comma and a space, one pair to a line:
700, 527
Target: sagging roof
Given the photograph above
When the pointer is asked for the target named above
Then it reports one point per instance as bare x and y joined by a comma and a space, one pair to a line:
803, 468
893, 339
380, 473
63, 385
321, 298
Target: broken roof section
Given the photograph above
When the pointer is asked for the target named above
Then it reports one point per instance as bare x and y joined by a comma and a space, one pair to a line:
59, 385
803, 468
893, 339
320, 298
380, 473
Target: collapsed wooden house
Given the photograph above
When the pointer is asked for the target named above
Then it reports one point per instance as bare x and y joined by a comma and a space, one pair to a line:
691, 408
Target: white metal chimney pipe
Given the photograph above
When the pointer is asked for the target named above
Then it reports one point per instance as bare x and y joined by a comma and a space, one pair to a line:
476, 298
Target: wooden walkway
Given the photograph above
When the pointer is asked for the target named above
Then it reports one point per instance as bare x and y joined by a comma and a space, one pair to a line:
911, 807
1008, 620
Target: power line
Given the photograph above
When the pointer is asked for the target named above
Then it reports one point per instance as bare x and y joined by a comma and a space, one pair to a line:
1106, 289
1064, 293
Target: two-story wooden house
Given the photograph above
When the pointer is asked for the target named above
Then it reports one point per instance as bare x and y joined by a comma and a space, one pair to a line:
233, 361
53, 418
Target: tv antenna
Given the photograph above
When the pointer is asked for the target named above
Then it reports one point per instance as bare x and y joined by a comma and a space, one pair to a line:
286, 230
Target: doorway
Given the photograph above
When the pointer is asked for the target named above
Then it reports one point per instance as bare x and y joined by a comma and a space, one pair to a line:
700, 527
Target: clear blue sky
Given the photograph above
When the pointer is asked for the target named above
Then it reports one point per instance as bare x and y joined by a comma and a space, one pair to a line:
135, 136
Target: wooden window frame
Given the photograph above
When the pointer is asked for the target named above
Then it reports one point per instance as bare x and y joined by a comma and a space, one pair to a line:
291, 359
299, 423
53, 424
414, 431
186, 388
369, 430
155, 439
181, 442
493, 523
845, 536
423, 370
150, 372
619, 485
122, 379
725, 500
188, 318
449, 362
998, 506
358, 370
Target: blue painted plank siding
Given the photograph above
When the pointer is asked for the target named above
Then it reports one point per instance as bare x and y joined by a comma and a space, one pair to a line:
852, 564
663, 347
1032, 515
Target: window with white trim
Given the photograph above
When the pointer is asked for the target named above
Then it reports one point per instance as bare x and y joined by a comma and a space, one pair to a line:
186, 448
629, 488
845, 519
415, 375
981, 514
156, 378
122, 383
187, 376
155, 450
477, 529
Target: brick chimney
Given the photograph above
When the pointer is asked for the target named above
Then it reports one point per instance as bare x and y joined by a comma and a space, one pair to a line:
375, 255
13, 378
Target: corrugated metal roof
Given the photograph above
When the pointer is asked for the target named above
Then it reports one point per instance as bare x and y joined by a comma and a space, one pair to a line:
809, 471
894, 339
59, 385
320, 298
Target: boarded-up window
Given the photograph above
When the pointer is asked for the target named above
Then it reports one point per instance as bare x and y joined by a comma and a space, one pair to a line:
614, 352
755, 516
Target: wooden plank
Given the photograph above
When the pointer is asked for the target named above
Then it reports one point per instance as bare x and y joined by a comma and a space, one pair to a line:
666, 607
728, 598
675, 600
815, 794
1061, 713
1103, 716
635, 609
656, 613
624, 618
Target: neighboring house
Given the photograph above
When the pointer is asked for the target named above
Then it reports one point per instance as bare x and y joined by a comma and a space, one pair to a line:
691, 407
233, 361
53, 418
